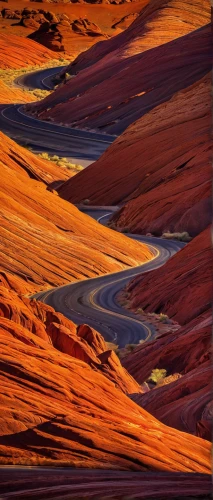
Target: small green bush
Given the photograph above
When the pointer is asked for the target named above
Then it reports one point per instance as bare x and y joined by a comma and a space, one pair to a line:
157, 375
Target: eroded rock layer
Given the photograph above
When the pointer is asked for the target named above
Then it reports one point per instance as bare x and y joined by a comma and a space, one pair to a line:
59, 410
17, 52
48, 246
118, 484
182, 287
105, 95
160, 168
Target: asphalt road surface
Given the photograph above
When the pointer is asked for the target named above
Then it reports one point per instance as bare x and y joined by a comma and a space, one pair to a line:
39, 79
93, 301
51, 138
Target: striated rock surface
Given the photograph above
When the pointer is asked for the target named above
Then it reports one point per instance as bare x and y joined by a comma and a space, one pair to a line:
182, 287
20, 160
118, 484
96, 98
177, 352
81, 342
185, 404
10, 95
59, 36
77, 417
46, 246
17, 52
161, 164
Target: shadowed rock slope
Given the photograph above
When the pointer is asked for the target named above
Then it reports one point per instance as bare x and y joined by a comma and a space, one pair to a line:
45, 240
182, 289
161, 164
60, 409
105, 95
118, 484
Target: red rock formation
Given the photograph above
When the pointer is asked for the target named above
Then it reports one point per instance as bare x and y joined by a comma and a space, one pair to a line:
21, 160
181, 351
96, 99
82, 342
32, 230
185, 404
58, 410
60, 36
17, 52
161, 164
118, 484
10, 95
182, 287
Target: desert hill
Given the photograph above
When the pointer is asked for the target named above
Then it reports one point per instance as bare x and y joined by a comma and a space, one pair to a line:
17, 52
105, 95
32, 229
159, 167
182, 290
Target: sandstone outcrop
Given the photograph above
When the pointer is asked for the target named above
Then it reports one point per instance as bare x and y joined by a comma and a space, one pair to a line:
96, 99
17, 52
32, 229
10, 95
77, 417
82, 342
59, 36
185, 404
184, 282
159, 167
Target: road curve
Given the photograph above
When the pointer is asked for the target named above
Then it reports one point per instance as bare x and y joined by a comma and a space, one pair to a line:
93, 301
54, 139
41, 79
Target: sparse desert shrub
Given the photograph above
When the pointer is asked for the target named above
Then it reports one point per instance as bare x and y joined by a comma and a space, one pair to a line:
61, 162
131, 347
140, 310
184, 236
125, 230
163, 317
157, 375
86, 201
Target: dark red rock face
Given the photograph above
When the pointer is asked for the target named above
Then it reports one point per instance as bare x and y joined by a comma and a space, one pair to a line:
160, 168
185, 282
104, 93
117, 484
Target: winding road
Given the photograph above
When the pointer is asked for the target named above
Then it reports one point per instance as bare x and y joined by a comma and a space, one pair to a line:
94, 302
91, 301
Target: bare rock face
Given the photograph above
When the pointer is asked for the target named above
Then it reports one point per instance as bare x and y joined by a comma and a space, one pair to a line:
85, 27
185, 404
186, 282
10, 14
152, 50
68, 412
160, 167
31, 225
125, 22
74, 483
59, 35
18, 52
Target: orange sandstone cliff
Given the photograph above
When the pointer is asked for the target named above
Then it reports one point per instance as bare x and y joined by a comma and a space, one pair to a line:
45, 240
60, 409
